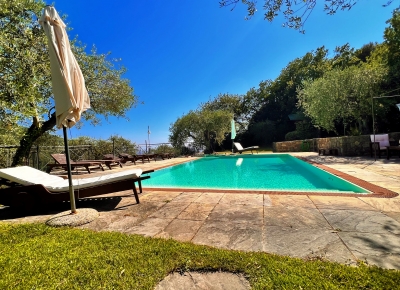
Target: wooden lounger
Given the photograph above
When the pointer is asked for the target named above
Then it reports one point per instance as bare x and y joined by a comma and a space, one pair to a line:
29, 187
61, 161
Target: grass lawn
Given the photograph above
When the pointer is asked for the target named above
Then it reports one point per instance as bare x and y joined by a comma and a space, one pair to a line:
35, 256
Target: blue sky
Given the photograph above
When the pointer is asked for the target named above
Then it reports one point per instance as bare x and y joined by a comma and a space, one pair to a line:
181, 53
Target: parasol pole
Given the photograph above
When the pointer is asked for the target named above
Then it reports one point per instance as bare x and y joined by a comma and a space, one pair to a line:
71, 186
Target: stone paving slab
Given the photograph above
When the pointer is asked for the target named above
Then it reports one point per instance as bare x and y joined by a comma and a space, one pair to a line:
150, 227
181, 230
329, 202
114, 222
288, 200
382, 250
361, 221
393, 215
230, 235
187, 197
388, 185
383, 204
245, 199
204, 281
360, 173
238, 213
295, 217
164, 196
306, 243
209, 197
170, 210
196, 211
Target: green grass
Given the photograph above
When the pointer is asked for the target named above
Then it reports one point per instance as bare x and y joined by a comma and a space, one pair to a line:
35, 256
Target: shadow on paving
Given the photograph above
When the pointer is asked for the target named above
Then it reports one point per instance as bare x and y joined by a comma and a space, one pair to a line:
326, 159
101, 204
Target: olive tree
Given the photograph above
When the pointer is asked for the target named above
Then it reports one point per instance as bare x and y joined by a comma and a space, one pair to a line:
341, 95
202, 127
295, 12
26, 99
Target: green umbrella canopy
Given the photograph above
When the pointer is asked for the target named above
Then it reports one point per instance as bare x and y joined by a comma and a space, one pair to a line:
233, 129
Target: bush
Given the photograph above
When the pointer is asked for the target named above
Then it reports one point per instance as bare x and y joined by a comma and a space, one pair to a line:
294, 135
304, 130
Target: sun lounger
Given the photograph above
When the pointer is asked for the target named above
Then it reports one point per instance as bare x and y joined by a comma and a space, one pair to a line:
164, 155
378, 144
147, 157
110, 160
126, 157
61, 161
240, 149
29, 187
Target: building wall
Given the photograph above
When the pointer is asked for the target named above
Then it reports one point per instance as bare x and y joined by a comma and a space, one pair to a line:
346, 146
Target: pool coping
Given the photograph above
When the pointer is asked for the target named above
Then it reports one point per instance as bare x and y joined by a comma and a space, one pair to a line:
376, 191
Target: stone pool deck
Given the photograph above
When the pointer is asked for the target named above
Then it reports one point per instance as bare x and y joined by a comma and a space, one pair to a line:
341, 229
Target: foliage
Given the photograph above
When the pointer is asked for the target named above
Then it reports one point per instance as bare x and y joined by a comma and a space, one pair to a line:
341, 95
348, 80
10, 135
294, 135
304, 130
242, 106
82, 259
114, 145
164, 148
295, 12
280, 95
25, 82
392, 53
261, 133
346, 56
49, 139
202, 126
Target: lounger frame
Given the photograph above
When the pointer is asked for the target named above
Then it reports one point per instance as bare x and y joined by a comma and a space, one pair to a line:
31, 196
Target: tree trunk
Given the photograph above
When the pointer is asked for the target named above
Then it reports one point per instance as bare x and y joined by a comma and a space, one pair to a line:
207, 140
33, 133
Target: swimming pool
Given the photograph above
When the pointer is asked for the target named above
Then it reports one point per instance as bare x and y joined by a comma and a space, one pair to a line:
269, 172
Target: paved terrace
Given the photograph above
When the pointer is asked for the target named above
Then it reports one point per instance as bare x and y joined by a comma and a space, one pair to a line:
341, 229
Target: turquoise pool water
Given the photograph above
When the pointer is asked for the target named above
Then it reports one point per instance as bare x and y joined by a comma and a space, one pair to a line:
250, 172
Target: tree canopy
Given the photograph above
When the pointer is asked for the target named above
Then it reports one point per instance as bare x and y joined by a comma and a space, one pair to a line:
25, 81
203, 127
241, 106
341, 95
331, 91
210, 123
295, 12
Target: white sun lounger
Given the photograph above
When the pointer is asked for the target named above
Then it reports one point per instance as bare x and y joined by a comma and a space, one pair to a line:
240, 149
29, 185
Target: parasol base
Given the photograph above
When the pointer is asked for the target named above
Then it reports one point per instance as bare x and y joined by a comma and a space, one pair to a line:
67, 219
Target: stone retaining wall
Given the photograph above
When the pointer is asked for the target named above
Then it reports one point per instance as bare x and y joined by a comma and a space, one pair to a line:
346, 146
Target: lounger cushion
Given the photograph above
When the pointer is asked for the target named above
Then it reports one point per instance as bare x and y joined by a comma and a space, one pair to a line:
238, 146
383, 140
26, 175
